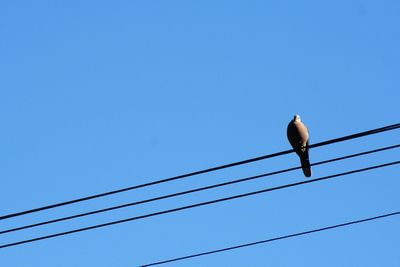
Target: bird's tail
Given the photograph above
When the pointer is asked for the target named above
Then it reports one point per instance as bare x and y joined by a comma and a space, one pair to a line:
305, 164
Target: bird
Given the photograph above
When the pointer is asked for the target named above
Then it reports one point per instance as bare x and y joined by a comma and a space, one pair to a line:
298, 136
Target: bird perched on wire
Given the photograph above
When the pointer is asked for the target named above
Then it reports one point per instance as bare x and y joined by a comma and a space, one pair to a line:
298, 135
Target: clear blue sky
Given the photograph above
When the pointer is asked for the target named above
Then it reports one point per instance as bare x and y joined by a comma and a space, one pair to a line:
100, 95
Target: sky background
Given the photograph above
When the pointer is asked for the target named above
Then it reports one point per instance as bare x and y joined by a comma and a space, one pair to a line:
102, 95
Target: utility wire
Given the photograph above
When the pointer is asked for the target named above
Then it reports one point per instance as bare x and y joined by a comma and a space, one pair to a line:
196, 205
328, 142
193, 190
274, 239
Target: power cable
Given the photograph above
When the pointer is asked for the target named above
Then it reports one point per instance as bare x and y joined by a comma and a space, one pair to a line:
324, 143
273, 239
196, 205
192, 190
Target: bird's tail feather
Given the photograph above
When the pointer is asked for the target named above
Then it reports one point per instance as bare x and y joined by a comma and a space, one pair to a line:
305, 164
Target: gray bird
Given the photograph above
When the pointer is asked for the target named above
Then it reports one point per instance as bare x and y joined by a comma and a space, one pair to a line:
298, 136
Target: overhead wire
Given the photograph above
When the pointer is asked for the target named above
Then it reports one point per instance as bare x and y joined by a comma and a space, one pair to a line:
196, 205
194, 190
274, 239
331, 141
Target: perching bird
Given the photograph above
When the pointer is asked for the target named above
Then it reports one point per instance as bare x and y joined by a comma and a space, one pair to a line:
298, 136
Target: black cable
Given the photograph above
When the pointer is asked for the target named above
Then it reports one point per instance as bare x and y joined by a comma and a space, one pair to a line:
196, 205
273, 239
193, 190
336, 140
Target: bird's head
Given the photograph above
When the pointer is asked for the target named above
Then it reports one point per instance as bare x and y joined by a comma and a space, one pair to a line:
296, 118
